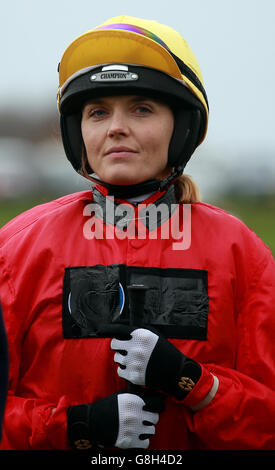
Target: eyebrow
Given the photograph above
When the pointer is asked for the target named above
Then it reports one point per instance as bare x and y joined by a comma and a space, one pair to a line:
92, 101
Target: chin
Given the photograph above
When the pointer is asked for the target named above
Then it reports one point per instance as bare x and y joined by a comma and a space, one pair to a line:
123, 181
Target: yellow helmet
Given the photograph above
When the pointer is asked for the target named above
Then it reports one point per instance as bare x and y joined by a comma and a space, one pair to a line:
127, 55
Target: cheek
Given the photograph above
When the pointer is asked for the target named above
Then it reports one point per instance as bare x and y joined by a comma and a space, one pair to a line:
158, 142
91, 142
87, 136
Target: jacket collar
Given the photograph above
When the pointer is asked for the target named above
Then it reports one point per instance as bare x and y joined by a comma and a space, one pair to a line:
122, 212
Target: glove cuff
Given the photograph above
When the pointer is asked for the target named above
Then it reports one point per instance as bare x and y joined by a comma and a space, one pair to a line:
93, 425
79, 434
189, 374
171, 371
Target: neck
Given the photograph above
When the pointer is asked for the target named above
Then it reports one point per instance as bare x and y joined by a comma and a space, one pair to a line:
140, 189
140, 198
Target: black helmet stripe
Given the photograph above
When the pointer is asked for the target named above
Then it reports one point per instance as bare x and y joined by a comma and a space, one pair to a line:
185, 70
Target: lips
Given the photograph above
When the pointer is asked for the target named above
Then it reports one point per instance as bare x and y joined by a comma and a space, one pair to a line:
119, 151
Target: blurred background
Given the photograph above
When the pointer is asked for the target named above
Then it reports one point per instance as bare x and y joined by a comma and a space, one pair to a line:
234, 41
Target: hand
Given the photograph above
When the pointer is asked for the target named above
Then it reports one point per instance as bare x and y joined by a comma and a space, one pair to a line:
146, 358
124, 420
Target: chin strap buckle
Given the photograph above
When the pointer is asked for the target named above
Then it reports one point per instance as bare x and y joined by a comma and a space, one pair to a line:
168, 181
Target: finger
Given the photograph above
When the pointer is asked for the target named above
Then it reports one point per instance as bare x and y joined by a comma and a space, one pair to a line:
134, 377
117, 344
151, 418
122, 372
120, 359
154, 402
148, 430
143, 442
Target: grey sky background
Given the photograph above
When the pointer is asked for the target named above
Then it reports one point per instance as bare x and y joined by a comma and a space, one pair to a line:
234, 41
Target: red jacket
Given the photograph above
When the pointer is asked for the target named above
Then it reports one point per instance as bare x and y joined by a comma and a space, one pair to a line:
214, 299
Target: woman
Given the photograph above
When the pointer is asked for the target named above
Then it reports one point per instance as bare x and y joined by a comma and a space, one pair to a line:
195, 349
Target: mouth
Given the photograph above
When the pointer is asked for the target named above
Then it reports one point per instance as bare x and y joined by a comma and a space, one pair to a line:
120, 152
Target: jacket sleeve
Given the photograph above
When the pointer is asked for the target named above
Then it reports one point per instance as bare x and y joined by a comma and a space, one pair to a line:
3, 369
28, 423
240, 413
31, 424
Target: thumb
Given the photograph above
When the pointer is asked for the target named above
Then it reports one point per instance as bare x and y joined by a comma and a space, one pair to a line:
154, 401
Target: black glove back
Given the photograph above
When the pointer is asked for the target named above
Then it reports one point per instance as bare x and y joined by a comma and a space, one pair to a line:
124, 420
146, 358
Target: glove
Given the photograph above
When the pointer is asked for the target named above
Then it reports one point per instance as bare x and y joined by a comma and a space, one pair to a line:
146, 358
124, 420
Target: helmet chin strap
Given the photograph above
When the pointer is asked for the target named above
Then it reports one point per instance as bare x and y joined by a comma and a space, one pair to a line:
128, 191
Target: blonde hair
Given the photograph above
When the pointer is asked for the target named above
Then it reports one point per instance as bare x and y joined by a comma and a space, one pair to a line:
186, 190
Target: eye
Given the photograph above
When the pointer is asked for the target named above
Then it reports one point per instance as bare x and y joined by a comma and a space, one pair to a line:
143, 109
97, 113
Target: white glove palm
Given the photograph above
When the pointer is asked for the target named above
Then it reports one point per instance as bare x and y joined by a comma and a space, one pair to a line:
139, 349
131, 422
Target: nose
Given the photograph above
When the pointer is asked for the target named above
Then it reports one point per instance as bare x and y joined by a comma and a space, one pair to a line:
118, 125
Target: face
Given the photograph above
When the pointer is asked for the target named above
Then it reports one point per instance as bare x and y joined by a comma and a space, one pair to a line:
127, 138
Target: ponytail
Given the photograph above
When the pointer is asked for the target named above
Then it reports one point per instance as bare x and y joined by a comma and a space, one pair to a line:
186, 190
